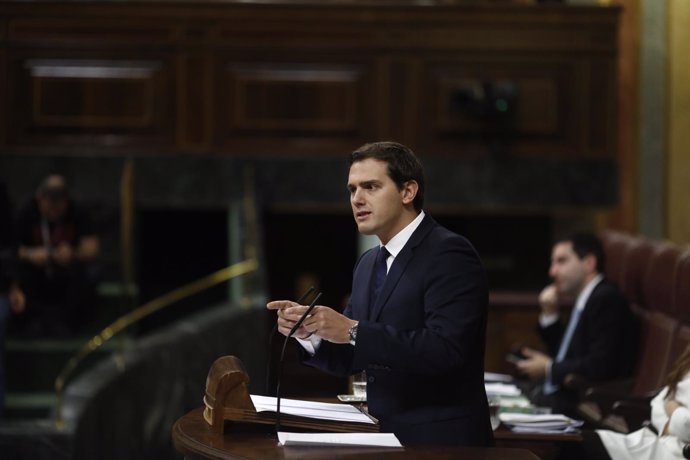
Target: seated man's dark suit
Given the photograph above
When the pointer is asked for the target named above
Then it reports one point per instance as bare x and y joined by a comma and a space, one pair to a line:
422, 341
604, 345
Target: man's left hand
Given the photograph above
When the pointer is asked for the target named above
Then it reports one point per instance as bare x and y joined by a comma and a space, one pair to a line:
329, 324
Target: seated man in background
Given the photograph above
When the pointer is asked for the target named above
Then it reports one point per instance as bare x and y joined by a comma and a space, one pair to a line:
57, 243
600, 341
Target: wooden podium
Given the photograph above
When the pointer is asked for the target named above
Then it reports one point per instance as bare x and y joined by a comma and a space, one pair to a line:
202, 434
226, 398
196, 440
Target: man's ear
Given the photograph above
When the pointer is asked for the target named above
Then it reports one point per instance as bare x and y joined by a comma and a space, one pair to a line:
409, 191
590, 262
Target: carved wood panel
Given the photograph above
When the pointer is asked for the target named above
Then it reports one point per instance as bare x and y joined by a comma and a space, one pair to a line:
308, 101
78, 100
531, 107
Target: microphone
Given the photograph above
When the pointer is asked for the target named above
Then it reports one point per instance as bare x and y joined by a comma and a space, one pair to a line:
282, 354
301, 299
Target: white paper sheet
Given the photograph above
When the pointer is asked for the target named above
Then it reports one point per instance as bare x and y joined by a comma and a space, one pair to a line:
502, 389
338, 439
494, 377
539, 422
311, 409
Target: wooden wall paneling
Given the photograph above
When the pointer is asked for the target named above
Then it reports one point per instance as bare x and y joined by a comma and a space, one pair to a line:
4, 101
532, 104
83, 98
396, 89
603, 112
195, 94
626, 127
79, 80
385, 97
89, 94
82, 28
304, 79
310, 99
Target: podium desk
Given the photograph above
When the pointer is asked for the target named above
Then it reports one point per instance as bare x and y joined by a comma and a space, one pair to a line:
193, 438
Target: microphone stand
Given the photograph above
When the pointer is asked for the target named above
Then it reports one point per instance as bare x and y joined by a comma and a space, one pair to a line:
282, 354
272, 335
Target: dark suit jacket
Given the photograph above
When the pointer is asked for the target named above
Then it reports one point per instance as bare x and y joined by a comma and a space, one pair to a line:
605, 342
422, 342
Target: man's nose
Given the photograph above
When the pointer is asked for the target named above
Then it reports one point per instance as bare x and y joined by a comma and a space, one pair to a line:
553, 271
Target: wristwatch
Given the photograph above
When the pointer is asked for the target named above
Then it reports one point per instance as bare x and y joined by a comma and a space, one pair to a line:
353, 334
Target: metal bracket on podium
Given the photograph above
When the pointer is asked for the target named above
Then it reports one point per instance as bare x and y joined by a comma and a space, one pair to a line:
227, 398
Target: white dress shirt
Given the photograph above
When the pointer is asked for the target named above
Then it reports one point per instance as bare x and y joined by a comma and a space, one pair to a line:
394, 246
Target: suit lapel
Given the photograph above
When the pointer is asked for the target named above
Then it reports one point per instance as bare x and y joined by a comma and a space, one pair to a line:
399, 266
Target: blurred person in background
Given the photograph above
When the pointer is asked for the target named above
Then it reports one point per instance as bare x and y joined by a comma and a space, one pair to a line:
57, 249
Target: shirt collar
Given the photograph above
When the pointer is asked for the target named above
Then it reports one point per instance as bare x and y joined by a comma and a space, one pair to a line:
396, 243
587, 291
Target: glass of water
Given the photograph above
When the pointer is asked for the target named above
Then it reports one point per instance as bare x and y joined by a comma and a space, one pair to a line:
359, 386
494, 411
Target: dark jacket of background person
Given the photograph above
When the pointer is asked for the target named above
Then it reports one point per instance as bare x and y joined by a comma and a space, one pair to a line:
605, 342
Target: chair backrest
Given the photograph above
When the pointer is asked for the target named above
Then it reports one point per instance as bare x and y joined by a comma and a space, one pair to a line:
657, 346
659, 285
681, 299
616, 246
635, 266
682, 295
681, 341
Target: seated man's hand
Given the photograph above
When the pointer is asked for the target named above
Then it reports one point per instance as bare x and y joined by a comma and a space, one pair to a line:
37, 256
534, 365
63, 254
548, 300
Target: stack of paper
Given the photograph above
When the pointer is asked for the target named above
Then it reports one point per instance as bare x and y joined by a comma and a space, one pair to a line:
311, 409
535, 423
494, 377
501, 389
338, 439
515, 404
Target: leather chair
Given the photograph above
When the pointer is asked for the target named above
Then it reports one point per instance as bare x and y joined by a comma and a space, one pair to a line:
597, 400
635, 267
682, 295
681, 299
659, 284
616, 246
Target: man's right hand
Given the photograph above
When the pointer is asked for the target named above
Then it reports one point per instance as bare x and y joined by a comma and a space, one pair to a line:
288, 314
548, 300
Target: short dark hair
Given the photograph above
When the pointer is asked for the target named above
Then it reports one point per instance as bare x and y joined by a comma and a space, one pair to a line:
403, 165
585, 244
54, 187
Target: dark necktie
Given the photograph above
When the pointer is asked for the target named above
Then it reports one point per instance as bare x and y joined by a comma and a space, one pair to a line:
380, 270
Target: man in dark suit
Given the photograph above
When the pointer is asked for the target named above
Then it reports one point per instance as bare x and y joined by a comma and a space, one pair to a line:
600, 341
420, 334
